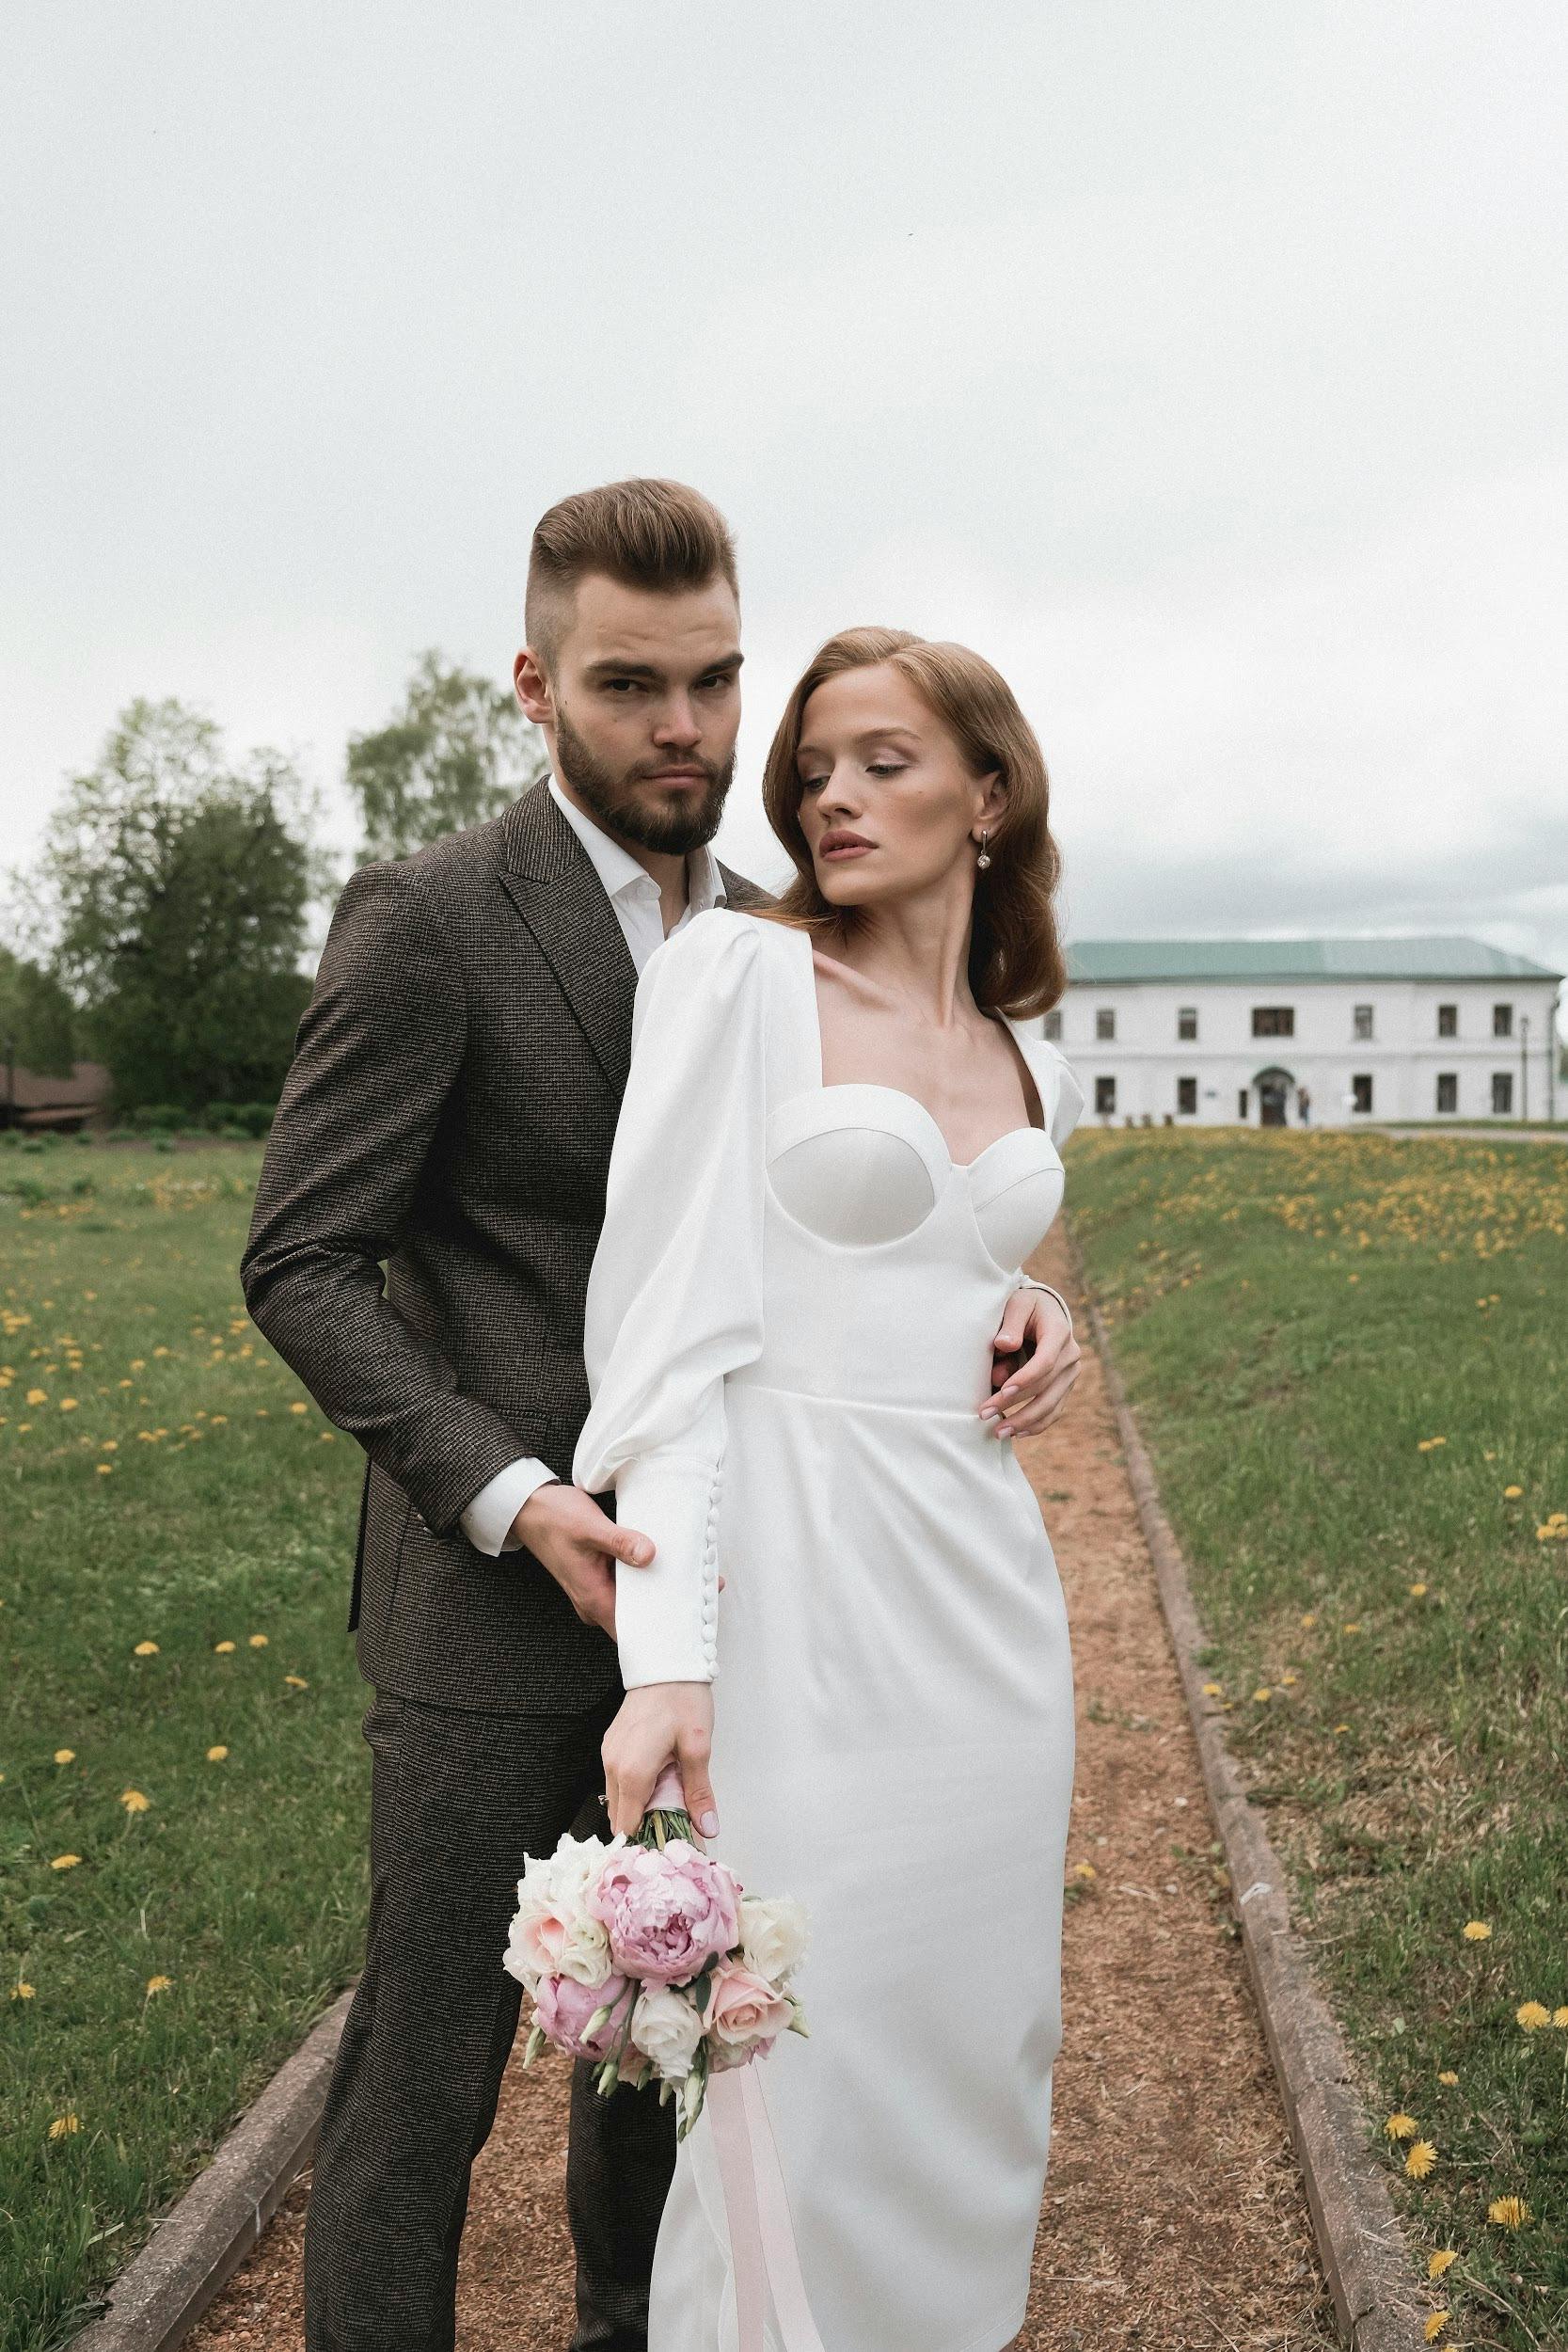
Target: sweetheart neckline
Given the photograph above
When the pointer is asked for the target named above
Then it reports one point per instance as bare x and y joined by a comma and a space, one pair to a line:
873, 1086
870, 1086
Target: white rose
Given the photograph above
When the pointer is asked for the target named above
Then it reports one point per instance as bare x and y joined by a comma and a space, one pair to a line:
666, 2028
553, 1932
772, 1935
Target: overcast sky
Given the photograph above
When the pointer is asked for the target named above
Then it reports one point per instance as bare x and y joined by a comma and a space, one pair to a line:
1202, 363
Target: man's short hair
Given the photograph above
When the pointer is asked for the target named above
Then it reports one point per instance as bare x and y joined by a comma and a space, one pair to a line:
645, 533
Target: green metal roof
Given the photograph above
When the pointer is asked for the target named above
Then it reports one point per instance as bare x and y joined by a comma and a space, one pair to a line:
1098, 961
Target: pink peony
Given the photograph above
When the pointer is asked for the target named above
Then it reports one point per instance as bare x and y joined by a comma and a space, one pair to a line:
666, 1912
744, 2016
563, 2007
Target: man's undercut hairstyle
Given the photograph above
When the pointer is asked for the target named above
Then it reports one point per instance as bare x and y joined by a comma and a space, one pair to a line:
645, 533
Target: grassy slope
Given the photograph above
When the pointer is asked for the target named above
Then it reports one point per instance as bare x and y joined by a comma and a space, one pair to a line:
243, 1879
1299, 1319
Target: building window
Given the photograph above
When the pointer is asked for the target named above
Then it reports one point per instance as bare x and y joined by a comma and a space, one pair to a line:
1502, 1020
1105, 1097
1363, 1020
1186, 1097
1502, 1092
1241, 1103
1053, 1026
1274, 1021
1361, 1091
1448, 1019
1447, 1089
1106, 1022
1186, 1025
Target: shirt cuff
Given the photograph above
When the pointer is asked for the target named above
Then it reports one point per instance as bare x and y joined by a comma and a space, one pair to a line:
487, 1520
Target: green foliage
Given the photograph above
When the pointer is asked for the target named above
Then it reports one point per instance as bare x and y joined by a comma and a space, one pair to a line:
175, 883
37, 1021
458, 751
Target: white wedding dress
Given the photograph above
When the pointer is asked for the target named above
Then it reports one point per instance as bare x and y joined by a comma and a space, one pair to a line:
788, 1334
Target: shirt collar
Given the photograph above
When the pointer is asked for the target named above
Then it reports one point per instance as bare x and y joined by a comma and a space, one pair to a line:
619, 870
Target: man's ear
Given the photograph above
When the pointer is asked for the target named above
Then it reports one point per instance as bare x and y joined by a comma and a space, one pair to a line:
534, 689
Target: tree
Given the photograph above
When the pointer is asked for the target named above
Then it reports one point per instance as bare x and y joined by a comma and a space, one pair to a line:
456, 754
175, 886
37, 1020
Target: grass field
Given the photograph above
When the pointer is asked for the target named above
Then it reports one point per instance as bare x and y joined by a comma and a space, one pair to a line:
183, 1808
1350, 1357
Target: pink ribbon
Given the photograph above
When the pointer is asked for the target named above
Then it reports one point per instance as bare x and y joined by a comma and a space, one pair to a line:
763, 2251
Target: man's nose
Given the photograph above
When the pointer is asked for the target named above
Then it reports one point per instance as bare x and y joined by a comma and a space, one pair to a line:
678, 724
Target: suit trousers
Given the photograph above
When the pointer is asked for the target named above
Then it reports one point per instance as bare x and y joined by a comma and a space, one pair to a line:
457, 1800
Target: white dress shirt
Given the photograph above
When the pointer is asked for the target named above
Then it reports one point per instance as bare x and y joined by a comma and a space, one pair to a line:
634, 894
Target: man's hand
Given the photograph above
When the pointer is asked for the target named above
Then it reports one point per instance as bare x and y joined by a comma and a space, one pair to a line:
1036, 1360
563, 1527
657, 1721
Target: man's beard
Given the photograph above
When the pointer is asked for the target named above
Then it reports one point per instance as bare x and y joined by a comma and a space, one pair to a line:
607, 793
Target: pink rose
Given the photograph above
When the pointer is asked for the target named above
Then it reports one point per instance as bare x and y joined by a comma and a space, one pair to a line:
744, 2016
564, 2007
668, 1912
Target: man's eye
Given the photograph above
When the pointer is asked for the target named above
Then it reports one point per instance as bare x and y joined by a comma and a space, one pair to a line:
719, 679
623, 685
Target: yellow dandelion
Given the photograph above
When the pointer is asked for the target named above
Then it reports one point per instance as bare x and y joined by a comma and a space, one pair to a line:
133, 1800
216, 1756
1214, 1690
1084, 1870
1342, 1726
21, 1991
1448, 2076
105, 1470
1354, 1627
146, 1649
159, 1984
1262, 1692
297, 1682
160, 1351
1512, 1494
37, 1396
1418, 1592
138, 1363
1476, 1930
1532, 2016
1511, 2212
110, 1445
221, 1650
1435, 2323
65, 1755
262, 1413
64, 2125
1420, 2160
1401, 2127
258, 1641
1560, 2016
299, 1408
1287, 1680
65, 1862
1444, 2258
329, 1437
219, 1420
1311, 1618
68, 1404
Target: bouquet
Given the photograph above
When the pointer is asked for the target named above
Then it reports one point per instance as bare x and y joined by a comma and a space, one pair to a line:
646, 1955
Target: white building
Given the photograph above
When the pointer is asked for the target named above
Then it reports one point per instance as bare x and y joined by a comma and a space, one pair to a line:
1209, 1031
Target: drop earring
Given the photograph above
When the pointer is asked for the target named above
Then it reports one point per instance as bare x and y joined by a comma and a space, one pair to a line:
984, 858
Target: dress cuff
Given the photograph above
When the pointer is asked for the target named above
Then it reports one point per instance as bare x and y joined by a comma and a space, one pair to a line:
487, 1520
667, 1613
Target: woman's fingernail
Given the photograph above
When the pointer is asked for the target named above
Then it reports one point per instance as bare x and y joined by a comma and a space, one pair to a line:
710, 1825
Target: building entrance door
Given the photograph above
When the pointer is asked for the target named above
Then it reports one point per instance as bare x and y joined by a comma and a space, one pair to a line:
1274, 1087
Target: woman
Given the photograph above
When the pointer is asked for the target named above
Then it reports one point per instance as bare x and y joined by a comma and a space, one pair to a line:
837, 1150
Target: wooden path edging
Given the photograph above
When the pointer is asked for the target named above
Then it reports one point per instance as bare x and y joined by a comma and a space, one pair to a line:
1371, 2273
200, 2243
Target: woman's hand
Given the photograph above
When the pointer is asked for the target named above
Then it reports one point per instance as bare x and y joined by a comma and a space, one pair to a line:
1036, 1360
658, 1722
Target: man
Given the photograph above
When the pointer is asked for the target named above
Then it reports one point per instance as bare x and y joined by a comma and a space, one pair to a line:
450, 1114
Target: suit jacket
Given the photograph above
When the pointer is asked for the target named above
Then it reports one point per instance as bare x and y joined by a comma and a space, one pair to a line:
449, 1114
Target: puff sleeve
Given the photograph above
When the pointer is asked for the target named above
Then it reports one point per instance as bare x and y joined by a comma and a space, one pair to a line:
674, 1293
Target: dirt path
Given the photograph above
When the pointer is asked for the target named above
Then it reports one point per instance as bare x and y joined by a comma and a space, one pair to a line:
1174, 2216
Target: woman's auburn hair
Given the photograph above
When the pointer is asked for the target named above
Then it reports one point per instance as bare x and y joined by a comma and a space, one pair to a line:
1016, 964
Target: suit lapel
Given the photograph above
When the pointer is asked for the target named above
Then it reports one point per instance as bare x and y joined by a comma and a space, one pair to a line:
550, 880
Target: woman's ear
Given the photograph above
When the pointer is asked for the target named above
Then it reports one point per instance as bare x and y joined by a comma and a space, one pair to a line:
993, 806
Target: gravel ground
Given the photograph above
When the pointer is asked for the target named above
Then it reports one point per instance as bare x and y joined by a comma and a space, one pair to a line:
1174, 2216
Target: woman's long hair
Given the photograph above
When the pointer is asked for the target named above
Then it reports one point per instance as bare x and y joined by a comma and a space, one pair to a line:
1015, 963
